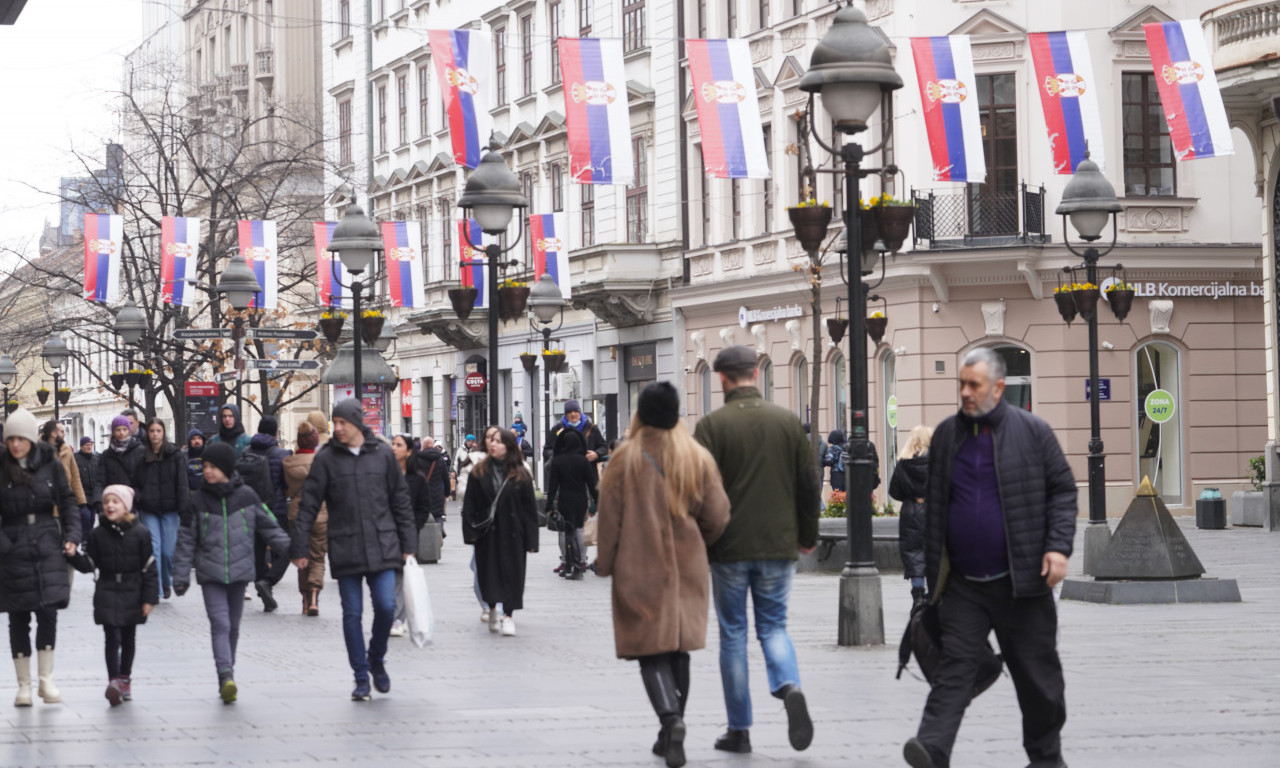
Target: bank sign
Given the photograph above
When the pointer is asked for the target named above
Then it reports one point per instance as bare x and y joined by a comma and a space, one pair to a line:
748, 316
1214, 290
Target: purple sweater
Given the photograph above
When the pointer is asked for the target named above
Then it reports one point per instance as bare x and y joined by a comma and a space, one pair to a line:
975, 519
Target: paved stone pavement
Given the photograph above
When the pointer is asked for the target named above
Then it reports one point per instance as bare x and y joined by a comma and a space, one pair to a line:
1180, 686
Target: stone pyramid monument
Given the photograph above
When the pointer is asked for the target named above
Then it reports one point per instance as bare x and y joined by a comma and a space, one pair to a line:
1147, 544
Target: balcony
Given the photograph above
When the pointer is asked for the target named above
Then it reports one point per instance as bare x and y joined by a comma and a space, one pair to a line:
264, 67
222, 89
1243, 32
240, 79
978, 217
618, 282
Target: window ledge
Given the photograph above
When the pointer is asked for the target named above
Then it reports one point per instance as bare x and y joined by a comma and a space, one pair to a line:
500, 111
640, 52
554, 88
527, 99
401, 17
346, 42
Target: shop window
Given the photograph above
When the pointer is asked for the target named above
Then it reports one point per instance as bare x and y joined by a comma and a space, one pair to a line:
1158, 376
801, 370
765, 379
1017, 380
840, 392
890, 410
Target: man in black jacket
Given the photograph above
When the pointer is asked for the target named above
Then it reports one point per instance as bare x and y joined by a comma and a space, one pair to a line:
87, 462
371, 532
1000, 520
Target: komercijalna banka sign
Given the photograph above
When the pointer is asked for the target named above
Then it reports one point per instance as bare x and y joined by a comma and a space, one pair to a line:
1214, 290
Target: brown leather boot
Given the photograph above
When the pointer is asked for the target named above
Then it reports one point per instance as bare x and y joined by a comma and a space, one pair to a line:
313, 602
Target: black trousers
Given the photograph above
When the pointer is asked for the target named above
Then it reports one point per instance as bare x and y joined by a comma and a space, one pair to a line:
20, 630
268, 564
666, 681
119, 649
1026, 628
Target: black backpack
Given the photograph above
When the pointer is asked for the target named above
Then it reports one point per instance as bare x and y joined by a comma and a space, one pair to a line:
256, 473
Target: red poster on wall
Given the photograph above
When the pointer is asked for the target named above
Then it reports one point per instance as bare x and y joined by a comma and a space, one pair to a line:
406, 398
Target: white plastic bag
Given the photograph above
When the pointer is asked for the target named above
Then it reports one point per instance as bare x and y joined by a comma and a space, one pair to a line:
417, 604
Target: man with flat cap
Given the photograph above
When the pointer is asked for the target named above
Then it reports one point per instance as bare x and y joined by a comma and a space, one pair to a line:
769, 474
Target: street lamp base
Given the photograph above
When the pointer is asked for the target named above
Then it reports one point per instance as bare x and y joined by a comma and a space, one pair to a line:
1097, 536
861, 607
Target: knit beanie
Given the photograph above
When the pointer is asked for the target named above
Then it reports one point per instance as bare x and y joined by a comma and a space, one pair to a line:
268, 425
572, 405
222, 456
349, 410
120, 421
123, 492
308, 438
22, 423
86, 439
659, 405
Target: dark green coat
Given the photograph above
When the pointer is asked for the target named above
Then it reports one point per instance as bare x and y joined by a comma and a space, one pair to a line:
769, 474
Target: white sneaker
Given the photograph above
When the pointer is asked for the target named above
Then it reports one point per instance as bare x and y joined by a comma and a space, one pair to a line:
484, 616
508, 627
495, 620
397, 629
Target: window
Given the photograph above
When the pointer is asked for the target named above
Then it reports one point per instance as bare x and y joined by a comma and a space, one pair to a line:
765, 367
1160, 442
557, 187
344, 132
584, 18
588, 208
735, 208
344, 19
704, 201
1149, 166
840, 394
526, 54
797, 7
632, 25
704, 387
638, 194
993, 206
702, 19
500, 64
764, 14
731, 18
890, 394
801, 370
424, 82
555, 14
402, 105
451, 259
767, 184
423, 214
382, 118
526, 186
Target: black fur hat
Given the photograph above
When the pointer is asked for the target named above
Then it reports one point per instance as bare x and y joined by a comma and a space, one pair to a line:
659, 405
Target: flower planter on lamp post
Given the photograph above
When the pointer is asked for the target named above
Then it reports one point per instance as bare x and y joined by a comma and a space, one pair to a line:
529, 361
810, 221
42, 395
836, 326
1066, 304
1120, 299
512, 300
463, 301
331, 326
894, 224
371, 327
553, 360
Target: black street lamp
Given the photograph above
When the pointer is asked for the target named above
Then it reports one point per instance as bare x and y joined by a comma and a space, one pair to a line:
852, 69
130, 325
546, 305
1089, 200
8, 372
356, 242
491, 197
55, 354
238, 284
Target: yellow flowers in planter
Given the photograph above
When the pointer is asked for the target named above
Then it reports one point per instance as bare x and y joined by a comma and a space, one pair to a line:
371, 313
329, 314
1076, 287
1118, 286
877, 314
812, 203
513, 284
885, 201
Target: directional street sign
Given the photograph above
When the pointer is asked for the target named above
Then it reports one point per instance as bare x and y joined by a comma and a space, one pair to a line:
299, 334
202, 333
226, 376
282, 365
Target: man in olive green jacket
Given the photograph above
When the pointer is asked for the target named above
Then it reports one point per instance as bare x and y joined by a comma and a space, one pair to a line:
772, 482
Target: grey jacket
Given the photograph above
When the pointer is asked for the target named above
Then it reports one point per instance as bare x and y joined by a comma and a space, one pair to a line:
218, 538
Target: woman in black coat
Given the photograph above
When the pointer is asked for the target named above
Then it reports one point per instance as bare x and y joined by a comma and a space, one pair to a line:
118, 465
571, 484
163, 496
502, 532
834, 458
39, 528
410, 466
910, 478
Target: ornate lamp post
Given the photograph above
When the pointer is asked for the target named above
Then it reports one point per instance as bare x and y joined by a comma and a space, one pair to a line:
491, 197
1089, 200
55, 354
238, 284
8, 371
546, 304
356, 242
852, 70
130, 325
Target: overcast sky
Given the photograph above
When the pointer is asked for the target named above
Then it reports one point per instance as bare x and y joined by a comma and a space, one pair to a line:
58, 66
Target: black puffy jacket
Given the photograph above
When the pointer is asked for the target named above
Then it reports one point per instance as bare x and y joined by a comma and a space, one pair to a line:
909, 482
121, 554
1037, 493
87, 463
119, 467
438, 480
33, 568
161, 481
571, 486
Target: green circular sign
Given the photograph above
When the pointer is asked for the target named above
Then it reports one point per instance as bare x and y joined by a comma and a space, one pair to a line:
891, 410
1159, 406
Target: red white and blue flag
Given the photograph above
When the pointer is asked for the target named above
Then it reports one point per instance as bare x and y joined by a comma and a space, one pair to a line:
550, 235
596, 115
475, 267
1068, 93
179, 247
948, 95
258, 246
1189, 91
462, 68
406, 278
724, 87
332, 278
103, 239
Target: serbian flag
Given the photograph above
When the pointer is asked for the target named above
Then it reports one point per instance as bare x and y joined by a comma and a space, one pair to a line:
406, 280
1069, 96
258, 246
475, 266
103, 239
332, 278
179, 246
550, 235
462, 69
1188, 90
948, 94
596, 115
728, 112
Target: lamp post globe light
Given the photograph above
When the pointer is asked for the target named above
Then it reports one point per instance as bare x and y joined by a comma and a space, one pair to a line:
1089, 201
356, 242
546, 304
130, 325
491, 197
852, 70
238, 284
8, 372
55, 353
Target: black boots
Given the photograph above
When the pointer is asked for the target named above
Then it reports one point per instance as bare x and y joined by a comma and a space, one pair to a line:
264, 591
660, 683
735, 741
799, 724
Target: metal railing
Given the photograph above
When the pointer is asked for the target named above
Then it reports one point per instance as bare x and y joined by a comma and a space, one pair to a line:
976, 215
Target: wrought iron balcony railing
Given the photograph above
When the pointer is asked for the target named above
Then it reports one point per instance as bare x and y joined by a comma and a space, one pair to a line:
976, 215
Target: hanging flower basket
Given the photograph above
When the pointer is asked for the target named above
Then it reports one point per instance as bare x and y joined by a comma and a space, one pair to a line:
117, 380
876, 327
529, 361
1086, 299
836, 326
1066, 305
810, 223
553, 360
371, 328
131, 378
512, 301
144, 380
870, 230
11, 406
63, 395
42, 395
331, 327
894, 224
463, 301
1121, 300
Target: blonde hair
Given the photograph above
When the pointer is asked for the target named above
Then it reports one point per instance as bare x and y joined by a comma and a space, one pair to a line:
917, 443
685, 464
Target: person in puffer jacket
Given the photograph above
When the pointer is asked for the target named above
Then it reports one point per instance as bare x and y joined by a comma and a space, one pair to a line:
908, 484
224, 518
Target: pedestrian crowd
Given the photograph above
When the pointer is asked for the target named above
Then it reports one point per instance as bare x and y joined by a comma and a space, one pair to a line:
683, 522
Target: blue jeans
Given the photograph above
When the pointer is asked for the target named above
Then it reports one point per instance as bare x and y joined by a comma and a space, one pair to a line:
382, 591
769, 582
164, 539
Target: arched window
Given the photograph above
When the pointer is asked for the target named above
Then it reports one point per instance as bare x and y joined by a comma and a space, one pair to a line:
765, 367
801, 382
890, 394
704, 389
840, 394
1017, 380
1158, 377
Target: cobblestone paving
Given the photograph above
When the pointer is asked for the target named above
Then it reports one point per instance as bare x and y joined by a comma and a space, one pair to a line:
1179, 686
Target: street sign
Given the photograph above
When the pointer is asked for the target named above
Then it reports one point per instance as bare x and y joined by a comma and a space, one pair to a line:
274, 364
1104, 389
202, 333
475, 381
226, 376
297, 334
